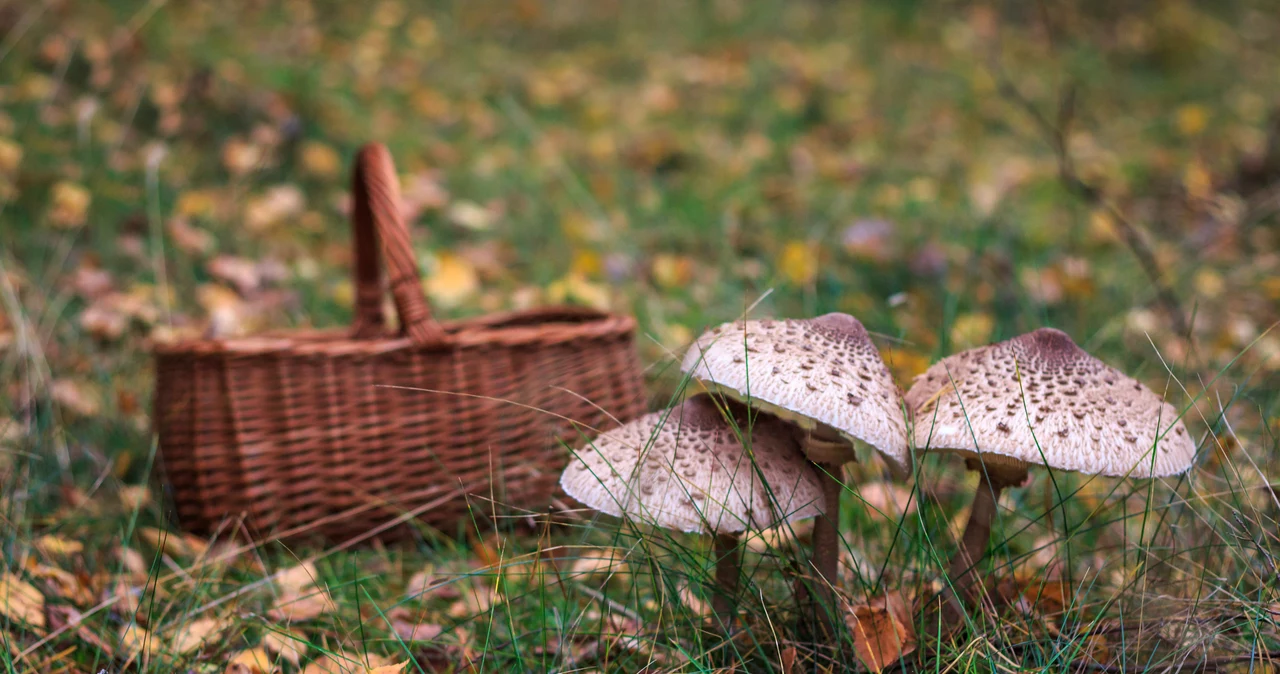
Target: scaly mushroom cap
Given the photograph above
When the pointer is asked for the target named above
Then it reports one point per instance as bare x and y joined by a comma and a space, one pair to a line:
1082, 413
686, 469
823, 370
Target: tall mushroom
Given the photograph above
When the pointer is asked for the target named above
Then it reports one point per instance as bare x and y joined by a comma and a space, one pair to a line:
1038, 399
692, 468
825, 376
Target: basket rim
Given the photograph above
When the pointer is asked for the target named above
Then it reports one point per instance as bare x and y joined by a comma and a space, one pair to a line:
538, 326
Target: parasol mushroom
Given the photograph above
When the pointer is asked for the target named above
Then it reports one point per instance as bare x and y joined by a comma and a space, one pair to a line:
826, 377
692, 469
1038, 399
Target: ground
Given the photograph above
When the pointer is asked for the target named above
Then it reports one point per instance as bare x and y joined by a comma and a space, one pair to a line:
952, 175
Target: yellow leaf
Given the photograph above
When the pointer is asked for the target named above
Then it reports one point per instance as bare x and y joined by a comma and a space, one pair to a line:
799, 263
1191, 119
196, 202
253, 661
319, 159
452, 281
882, 631
57, 546
167, 542
672, 271
291, 645
69, 205
586, 263
21, 602
10, 156
971, 330
1197, 181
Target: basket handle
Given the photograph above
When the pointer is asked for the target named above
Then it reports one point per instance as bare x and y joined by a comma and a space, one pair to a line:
376, 216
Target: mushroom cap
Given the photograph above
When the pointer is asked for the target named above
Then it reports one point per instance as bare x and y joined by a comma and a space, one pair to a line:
1039, 392
823, 370
685, 468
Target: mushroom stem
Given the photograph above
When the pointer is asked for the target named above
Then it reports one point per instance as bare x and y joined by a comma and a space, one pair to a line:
728, 567
820, 598
977, 534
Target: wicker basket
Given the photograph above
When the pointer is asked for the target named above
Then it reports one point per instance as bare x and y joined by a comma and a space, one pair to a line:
305, 433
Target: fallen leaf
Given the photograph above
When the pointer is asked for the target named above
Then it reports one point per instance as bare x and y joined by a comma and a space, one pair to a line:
319, 160
389, 669
798, 263
451, 280
473, 216
607, 562
252, 661
882, 631
20, 601
692, 601
341, 663
57, 546
190, 636
64, 584
291, 608
296, 578
290, 645
277, 205
76, 397
787, 659
238, 271
893, 500
69, 205
167, 542
135, 641
189, 238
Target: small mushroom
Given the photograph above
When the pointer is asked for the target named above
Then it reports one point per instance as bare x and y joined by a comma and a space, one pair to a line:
1102, 423
825, 376
692, 468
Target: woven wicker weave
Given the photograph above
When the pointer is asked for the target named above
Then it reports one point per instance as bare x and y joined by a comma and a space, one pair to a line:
304, 433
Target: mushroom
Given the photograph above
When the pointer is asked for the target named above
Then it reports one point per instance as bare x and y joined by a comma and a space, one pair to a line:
826, 377
692, 468
1038, 399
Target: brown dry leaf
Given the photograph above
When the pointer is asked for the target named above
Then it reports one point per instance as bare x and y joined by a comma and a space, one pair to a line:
406, 625
290, 645
190, 636
882, 631
135, 497
390, 669
252, 661
134, 564
787, 659
296, 608
65, 584
20, 601
476, 602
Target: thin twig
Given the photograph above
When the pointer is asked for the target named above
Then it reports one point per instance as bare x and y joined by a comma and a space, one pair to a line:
1057, 133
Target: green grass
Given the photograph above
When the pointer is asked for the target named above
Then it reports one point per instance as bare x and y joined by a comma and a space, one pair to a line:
663, 159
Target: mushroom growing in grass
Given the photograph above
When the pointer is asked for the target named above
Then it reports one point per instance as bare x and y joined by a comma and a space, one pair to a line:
1038, 399
698, 468
826, 377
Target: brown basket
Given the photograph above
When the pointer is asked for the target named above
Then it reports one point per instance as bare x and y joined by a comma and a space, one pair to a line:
303, 433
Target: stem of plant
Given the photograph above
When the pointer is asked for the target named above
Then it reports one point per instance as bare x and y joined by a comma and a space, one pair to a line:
728, 568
